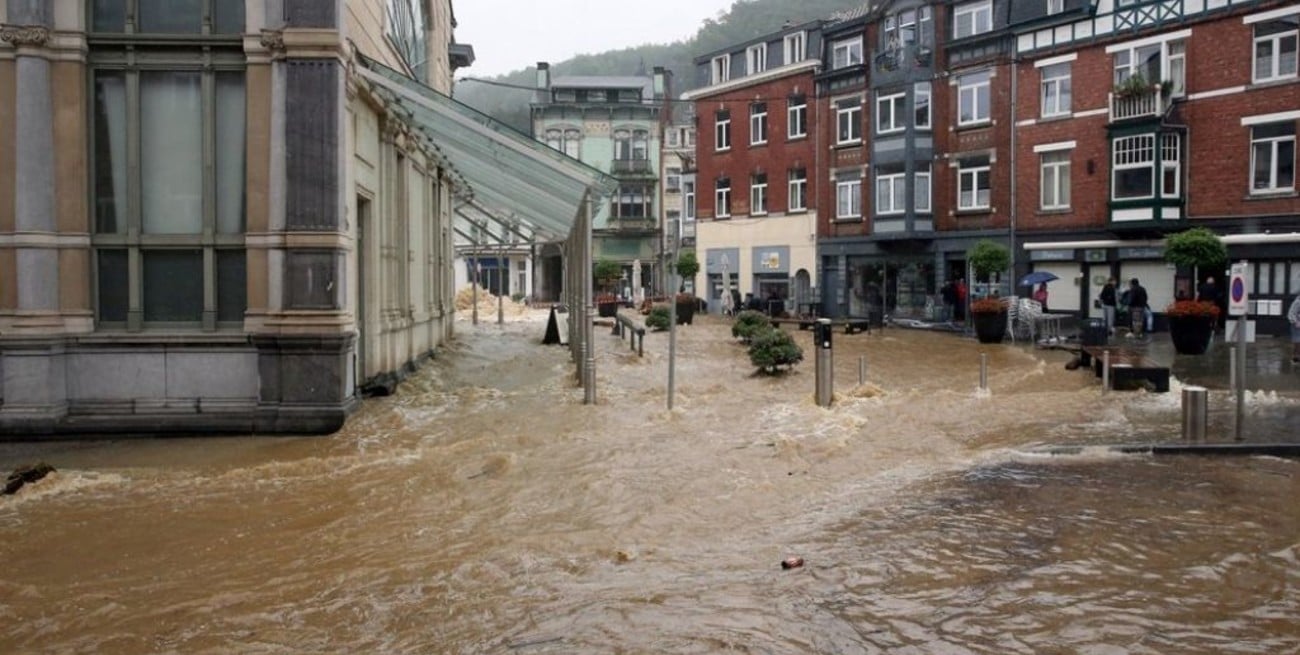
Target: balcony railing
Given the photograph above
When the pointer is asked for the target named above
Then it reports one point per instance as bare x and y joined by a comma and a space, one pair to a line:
624, 166
900, 57
1151, 103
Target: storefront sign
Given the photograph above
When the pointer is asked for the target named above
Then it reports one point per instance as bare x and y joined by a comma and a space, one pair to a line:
771, 260
1095, 255
1051, 255
1141, 253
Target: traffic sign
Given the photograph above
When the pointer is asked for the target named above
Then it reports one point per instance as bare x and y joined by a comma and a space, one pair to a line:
1237, 293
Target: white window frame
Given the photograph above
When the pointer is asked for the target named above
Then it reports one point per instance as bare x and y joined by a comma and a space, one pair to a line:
795, 48
796, 120
970, 86
848, 123
722, 201
1055, 7
1133, 152
1054, 180
758, 196
845, 53
922, 199
973, 174
688, 199
720, 69
975, 17
757, 125
1056, 94
890, 112
891, 193
1173, 63
756, 58
848, 199
722, 133
797, 198
1170, 165
922, 90
672, 178
1275, 40
1274, 145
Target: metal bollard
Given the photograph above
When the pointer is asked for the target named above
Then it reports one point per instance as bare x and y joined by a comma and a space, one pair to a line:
1105, 372
862, 370
825, 362
984, 372
1232, 370
1195, 413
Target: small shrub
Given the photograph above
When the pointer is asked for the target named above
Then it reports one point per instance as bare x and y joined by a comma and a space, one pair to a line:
773, 348
659, 319
748, 323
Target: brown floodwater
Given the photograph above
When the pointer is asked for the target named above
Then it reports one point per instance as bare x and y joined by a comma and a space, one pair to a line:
484, 509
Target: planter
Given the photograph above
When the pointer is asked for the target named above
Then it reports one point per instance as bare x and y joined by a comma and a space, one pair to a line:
685, 312
607, 309
990, 327
1191, 334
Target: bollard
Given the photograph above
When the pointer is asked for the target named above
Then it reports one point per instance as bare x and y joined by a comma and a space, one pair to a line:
1232, 370
1195, 413
862, 370
1105, 372
984, 371
825, 362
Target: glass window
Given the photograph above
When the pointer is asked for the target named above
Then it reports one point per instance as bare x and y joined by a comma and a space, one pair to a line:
108, 16
846, 53
170, 16
228, 17
758, 195
1272, 157
848, 121
1056, 89
797, 118
1133, 167
1154, 64
973, 187
1055, 180
758, 123
891, 193
171, 152
889, 113
405, 29
794, 48
756, 55
113, 285
173, 286
972, 18
1275, 49
921, 191
798, 191
722, 131
722, 199
232, 286
721, 69
110, 152
973, 98
230, 153
922, 106
688, 199
1169, 171
848, 198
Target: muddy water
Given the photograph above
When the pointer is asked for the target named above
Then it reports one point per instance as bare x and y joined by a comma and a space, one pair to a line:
485, 509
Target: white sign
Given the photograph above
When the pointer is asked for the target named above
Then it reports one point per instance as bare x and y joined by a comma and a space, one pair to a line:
1238, 297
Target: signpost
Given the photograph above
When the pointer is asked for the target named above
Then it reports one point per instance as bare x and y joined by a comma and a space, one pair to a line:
1238, 298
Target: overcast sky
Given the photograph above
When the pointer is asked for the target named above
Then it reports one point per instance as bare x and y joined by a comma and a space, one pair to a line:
508, 35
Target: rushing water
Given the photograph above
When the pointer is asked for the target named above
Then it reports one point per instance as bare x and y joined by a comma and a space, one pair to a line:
485, 509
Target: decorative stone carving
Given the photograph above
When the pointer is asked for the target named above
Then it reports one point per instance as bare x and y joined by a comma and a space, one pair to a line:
273, 40
24, 35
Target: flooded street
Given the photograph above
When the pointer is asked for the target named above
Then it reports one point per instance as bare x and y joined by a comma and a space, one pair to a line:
483, 508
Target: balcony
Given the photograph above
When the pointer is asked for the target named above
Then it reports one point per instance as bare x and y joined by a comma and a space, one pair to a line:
1143, 103
631, 167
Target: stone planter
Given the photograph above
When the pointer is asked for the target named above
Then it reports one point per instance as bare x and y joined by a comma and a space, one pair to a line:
685, 311
990, 327
607, 309
1191, 335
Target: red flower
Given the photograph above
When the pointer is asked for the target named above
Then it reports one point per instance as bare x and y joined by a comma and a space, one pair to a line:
1192, 308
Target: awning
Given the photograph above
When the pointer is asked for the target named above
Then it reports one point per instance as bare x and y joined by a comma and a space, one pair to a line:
499, 170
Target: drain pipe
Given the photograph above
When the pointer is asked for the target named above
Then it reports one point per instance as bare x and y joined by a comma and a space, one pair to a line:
1011, 227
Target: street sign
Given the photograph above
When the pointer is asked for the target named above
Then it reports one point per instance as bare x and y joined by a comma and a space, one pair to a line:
1237, 294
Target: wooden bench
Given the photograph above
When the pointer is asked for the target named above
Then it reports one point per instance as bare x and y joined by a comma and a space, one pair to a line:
633, 328
1126, 365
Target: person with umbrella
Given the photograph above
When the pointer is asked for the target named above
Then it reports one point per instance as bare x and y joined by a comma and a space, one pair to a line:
1040, 295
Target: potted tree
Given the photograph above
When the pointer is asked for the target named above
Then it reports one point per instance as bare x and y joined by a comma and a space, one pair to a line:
687, 267
989, 259
1191, 322
606, 273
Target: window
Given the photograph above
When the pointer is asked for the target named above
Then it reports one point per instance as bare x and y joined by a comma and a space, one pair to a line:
794, 48
1054, 180
722, 199
672, 178
846, 53
192, 16
973, 98
890, 113
172, 257
595, 96
891, 193
848, 198
1169, 171
1056, 90
756, 55
566, 141
721, 69
631, 96
758, 194
688, 137
1272, 157
622, 145
798, 190
722, 131
1153, 64
848, 121
973, 187
1132, 164
405, 29
972, 18
672, 138
688, 199
757, 124
796, 115
640, 145
1055, 6
1275, 49
922, 105
921, 191
633, 201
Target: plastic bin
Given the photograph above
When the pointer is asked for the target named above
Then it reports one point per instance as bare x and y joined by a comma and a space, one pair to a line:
1092, 332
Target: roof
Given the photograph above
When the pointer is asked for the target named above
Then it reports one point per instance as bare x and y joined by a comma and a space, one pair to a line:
645, 84
847, 15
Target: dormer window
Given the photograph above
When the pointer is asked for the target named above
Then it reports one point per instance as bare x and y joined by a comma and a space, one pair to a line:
756, 56
846, 53
721, 69
795, 50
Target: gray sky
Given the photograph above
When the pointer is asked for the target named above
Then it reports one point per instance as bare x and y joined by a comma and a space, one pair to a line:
508, 35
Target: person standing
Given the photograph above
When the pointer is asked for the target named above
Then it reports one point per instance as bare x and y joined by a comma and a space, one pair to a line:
1040, 295
949, 297
960, 290
1137, 307
1108, 305
1293, 316
1208, 291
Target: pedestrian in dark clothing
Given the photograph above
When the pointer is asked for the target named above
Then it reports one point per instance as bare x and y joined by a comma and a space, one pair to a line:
1137, 307
1108, 305
1208, 292
949, 295
960, 289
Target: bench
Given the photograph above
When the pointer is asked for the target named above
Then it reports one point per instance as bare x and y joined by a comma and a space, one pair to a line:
1126, 365
633, 328
851, 325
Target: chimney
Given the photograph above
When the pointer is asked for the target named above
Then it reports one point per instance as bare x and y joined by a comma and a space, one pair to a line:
662, 77
543, 82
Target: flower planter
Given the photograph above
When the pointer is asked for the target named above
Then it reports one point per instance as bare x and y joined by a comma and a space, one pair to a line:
990, 327
685, 311
607, 309
1191, 334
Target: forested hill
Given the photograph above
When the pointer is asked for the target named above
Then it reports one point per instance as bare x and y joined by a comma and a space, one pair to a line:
745, 20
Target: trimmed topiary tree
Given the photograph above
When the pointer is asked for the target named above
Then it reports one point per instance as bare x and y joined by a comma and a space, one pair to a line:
773, 348
749, 323
1195, 248
988, 257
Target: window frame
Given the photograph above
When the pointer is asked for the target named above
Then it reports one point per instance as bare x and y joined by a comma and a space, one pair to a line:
794, 47
1133, 161
849, 47
892, 107
853, 186
1274, 144
720, 69
722, 132
688, 199
891, 193
797, 189
917, 196
758, 195
975, 173
973, 10
1056, 94
1275, 38
984, 81
722, 198
796, 115
758, 124
848, 122
1056, 164
756, 58
919, 90
1170, 62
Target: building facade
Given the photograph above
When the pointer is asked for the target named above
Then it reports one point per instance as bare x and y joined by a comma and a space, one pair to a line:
756, 156
208, 221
